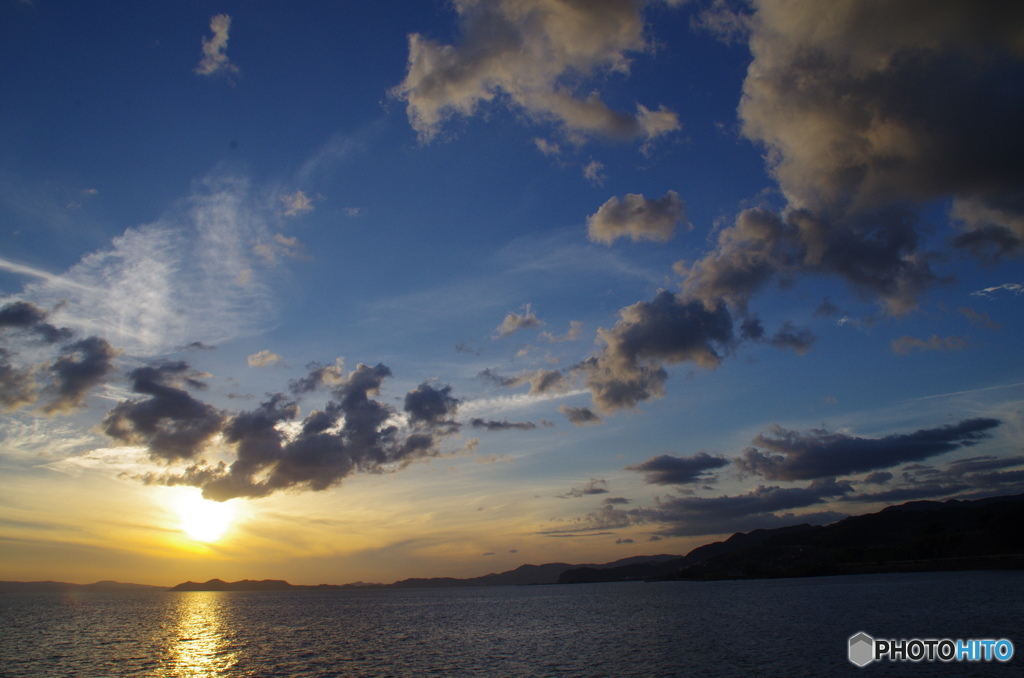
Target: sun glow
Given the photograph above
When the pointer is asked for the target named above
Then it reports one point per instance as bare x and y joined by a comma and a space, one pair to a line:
201, 519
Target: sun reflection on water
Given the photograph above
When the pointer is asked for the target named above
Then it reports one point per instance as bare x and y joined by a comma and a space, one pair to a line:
202, 643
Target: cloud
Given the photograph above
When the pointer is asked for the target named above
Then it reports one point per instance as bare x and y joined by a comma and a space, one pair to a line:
906, 344
637, 218
547, 147
169, 423
592, 173
826, 308
26, 316
189, 276
686, 516
579, 416
541, 381
215, 58
892, 102
505, 425
862, 124
593, 486
1014, 288
799, 339
264, 358
354, 432
430, 406
532, 55
514, 322
875, 252
667, 330
783, 454
758, 508
318, 376
296, 203
671, 470
991, 232
980, 318
81, 366
978, 476
575, 327
68, 376
17, 386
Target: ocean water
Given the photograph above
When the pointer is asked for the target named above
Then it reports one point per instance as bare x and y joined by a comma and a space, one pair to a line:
792, 627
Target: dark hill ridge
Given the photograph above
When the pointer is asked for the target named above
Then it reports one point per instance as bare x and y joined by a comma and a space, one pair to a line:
64, 587
913, 537
523, 575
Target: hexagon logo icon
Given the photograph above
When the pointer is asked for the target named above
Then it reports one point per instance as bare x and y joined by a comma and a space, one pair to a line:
862, 649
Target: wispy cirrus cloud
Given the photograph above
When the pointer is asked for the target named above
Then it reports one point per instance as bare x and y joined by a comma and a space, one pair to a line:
1016, 289
190, 276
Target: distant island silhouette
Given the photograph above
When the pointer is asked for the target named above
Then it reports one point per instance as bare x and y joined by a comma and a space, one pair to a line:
918, 536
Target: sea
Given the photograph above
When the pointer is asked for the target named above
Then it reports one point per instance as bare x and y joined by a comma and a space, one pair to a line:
783, 627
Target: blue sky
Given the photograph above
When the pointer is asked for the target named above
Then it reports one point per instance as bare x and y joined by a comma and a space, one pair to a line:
441, 288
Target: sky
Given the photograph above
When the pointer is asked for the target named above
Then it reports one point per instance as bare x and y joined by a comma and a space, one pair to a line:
335, 292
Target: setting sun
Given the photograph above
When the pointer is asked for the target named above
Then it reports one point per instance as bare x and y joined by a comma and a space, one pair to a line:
201, 519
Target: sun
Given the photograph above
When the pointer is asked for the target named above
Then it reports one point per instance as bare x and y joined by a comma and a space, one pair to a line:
201, 519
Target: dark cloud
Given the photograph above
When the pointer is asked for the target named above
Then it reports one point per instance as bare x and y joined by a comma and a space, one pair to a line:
541, 381
317, 376
964, 467
762, 507
429, 405
17, 386
23, 315
353, 433
624, 540
970, 477
463, 347
994, 228
170, 423
81, 366
614, 501
648, 335
579, 416
504, 425
492, 375
671, 470
875, 252
593, 486
826, 308
637, 218
687, 516
878, 477
788, 336
818, 453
